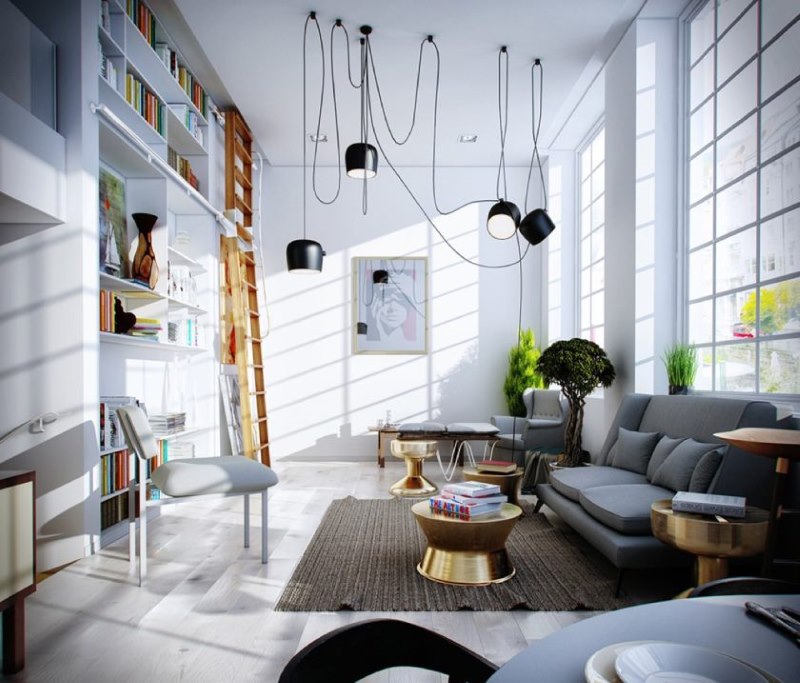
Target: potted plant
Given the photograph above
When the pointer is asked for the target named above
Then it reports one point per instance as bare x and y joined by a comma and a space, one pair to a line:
578, 366
522, 372
681, 363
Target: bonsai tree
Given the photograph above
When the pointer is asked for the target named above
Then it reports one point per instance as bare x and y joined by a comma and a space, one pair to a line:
681, 363
578, 366
522, 372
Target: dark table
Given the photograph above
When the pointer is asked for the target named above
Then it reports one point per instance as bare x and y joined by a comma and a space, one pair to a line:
719, 623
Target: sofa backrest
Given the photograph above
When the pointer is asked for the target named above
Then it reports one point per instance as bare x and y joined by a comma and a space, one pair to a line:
699, 417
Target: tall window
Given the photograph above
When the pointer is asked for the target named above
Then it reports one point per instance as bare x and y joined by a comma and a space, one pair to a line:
592, 244
743, 144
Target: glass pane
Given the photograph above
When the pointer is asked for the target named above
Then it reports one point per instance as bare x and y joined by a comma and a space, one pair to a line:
597, 308
701, 80
598, 337
780, 183
701, 223
586, 163
585, 251
701, 175
703, 379
780, 122
779, 61
737, 98
736, 260
780, 245
736, 152
729, 323
585, 317
598, 244
701, 272
586, 196
599, 181
700, 317
736, 368
598, 212
598, 276
775, 14
779, 367
586, 223
727, 11
701, 32
736, 206
702, 127
779, 312
585, 281
738, 45
599, 149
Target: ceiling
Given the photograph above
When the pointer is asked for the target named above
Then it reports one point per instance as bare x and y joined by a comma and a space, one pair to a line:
255, 47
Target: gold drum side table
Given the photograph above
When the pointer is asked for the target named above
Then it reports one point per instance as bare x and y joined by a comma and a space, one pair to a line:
413, 485
711, 540
466, 552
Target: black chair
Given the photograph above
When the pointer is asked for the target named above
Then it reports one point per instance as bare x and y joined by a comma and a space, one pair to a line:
745, 585
352, 652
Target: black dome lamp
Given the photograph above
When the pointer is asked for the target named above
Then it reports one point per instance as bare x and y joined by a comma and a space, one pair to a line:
361, 158
536, 226
503, 220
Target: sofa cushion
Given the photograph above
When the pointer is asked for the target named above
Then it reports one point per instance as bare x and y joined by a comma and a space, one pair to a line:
547, 404
623, 508
570, 481
633, 450
420, 428
705, 470
228, 474
472, 428
663, 448
676, 471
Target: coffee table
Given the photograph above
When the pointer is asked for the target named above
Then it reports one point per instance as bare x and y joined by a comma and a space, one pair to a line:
711, 540
466, 552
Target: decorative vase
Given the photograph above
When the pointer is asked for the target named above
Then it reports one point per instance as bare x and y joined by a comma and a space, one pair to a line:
145, 268
678, 390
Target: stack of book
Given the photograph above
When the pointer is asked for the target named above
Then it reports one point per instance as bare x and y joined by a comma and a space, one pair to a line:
183, 167
468, 500
709, 504
496, 467
147, 328
164, 424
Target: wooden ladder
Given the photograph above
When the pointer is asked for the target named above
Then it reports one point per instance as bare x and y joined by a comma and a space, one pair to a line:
241, 339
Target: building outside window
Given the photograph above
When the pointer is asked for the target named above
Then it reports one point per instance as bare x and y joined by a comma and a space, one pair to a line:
743, 191
591, 287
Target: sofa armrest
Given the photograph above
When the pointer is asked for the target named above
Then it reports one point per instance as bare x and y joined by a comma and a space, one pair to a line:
508, 424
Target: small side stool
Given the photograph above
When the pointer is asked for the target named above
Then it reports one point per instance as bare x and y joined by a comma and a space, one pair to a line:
413, 485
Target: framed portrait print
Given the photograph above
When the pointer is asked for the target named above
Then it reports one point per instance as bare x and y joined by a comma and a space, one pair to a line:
390, 304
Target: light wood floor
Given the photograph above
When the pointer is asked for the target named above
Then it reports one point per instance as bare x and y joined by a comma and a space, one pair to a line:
206, 611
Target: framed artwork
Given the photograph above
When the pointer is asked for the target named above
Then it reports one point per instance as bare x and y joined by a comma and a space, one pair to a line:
390, 304
113, 227
229, 384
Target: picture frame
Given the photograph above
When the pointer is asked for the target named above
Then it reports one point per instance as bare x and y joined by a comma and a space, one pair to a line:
390, 304
113, 230
229, 385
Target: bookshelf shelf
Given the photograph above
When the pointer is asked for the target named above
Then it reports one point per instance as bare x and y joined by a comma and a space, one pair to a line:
126, 287
128, 340
116, 449
178, 305
110, 46
180, 139
181, 259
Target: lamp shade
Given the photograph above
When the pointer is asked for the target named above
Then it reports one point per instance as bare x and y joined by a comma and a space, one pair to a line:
536, 226
304, 256
503, 220
361, 160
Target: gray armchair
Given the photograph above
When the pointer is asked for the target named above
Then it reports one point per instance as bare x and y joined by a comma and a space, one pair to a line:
542, 427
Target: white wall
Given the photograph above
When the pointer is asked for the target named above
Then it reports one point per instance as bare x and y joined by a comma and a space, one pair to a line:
321, 396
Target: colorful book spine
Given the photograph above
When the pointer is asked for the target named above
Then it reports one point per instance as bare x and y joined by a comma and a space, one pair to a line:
451, 507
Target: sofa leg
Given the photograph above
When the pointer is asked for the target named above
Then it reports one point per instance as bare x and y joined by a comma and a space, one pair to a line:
618, 584
539, 503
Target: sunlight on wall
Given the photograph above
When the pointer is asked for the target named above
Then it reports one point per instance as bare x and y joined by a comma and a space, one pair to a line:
554, 280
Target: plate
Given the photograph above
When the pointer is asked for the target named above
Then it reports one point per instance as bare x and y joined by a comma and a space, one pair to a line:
678, 663
600, 666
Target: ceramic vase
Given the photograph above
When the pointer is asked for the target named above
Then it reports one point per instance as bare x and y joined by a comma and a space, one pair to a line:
145, 268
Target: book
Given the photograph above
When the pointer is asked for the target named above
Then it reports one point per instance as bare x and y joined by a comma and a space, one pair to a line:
472, 501
496, 466
474, 489
709, 504
451, 507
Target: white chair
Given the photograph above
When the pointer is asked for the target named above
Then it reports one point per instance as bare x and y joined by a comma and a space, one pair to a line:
189, 479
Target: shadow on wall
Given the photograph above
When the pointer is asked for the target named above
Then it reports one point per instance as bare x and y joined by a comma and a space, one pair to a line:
341, 446
457, 384
61, 502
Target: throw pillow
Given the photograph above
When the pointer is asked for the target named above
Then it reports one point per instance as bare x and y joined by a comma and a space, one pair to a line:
704, 472
633, 450
676, 471
663, 448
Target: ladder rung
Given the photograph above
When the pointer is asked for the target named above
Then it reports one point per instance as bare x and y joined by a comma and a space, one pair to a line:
261, 419
254, 314
248, 258
243, 151
243, 205
250, 285
258, 393
243, 234
242, 179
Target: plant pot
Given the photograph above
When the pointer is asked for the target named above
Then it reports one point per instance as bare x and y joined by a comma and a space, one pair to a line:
145, 268
678, 390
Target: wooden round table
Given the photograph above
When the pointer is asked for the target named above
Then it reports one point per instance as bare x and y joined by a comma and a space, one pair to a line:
711, 540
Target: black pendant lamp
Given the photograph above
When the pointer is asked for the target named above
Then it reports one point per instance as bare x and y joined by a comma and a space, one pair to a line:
361, 158
536, 226
305, 255
503, 220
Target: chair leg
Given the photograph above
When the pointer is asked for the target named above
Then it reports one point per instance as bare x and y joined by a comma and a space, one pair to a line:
132, 513
539, 503
246, 520
264, 526
618, 584
142, 527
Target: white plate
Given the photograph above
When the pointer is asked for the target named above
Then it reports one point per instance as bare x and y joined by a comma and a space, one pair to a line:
678, 663
600, 666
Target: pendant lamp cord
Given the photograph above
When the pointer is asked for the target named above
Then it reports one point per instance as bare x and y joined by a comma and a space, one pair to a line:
503, 119
364, 117
311, 17
535, 126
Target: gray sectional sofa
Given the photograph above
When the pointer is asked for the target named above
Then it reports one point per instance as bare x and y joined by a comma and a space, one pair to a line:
655, 446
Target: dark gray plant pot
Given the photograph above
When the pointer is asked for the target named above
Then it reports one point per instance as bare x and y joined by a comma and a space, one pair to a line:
678, 390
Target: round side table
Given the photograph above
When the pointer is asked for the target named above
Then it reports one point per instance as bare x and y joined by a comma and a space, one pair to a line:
413, 485
712, 541
509, 484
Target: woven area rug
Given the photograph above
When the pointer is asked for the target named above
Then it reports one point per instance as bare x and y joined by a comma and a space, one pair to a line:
364, 556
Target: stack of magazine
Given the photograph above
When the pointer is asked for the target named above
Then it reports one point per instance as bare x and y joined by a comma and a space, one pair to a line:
468, 499
709, 504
